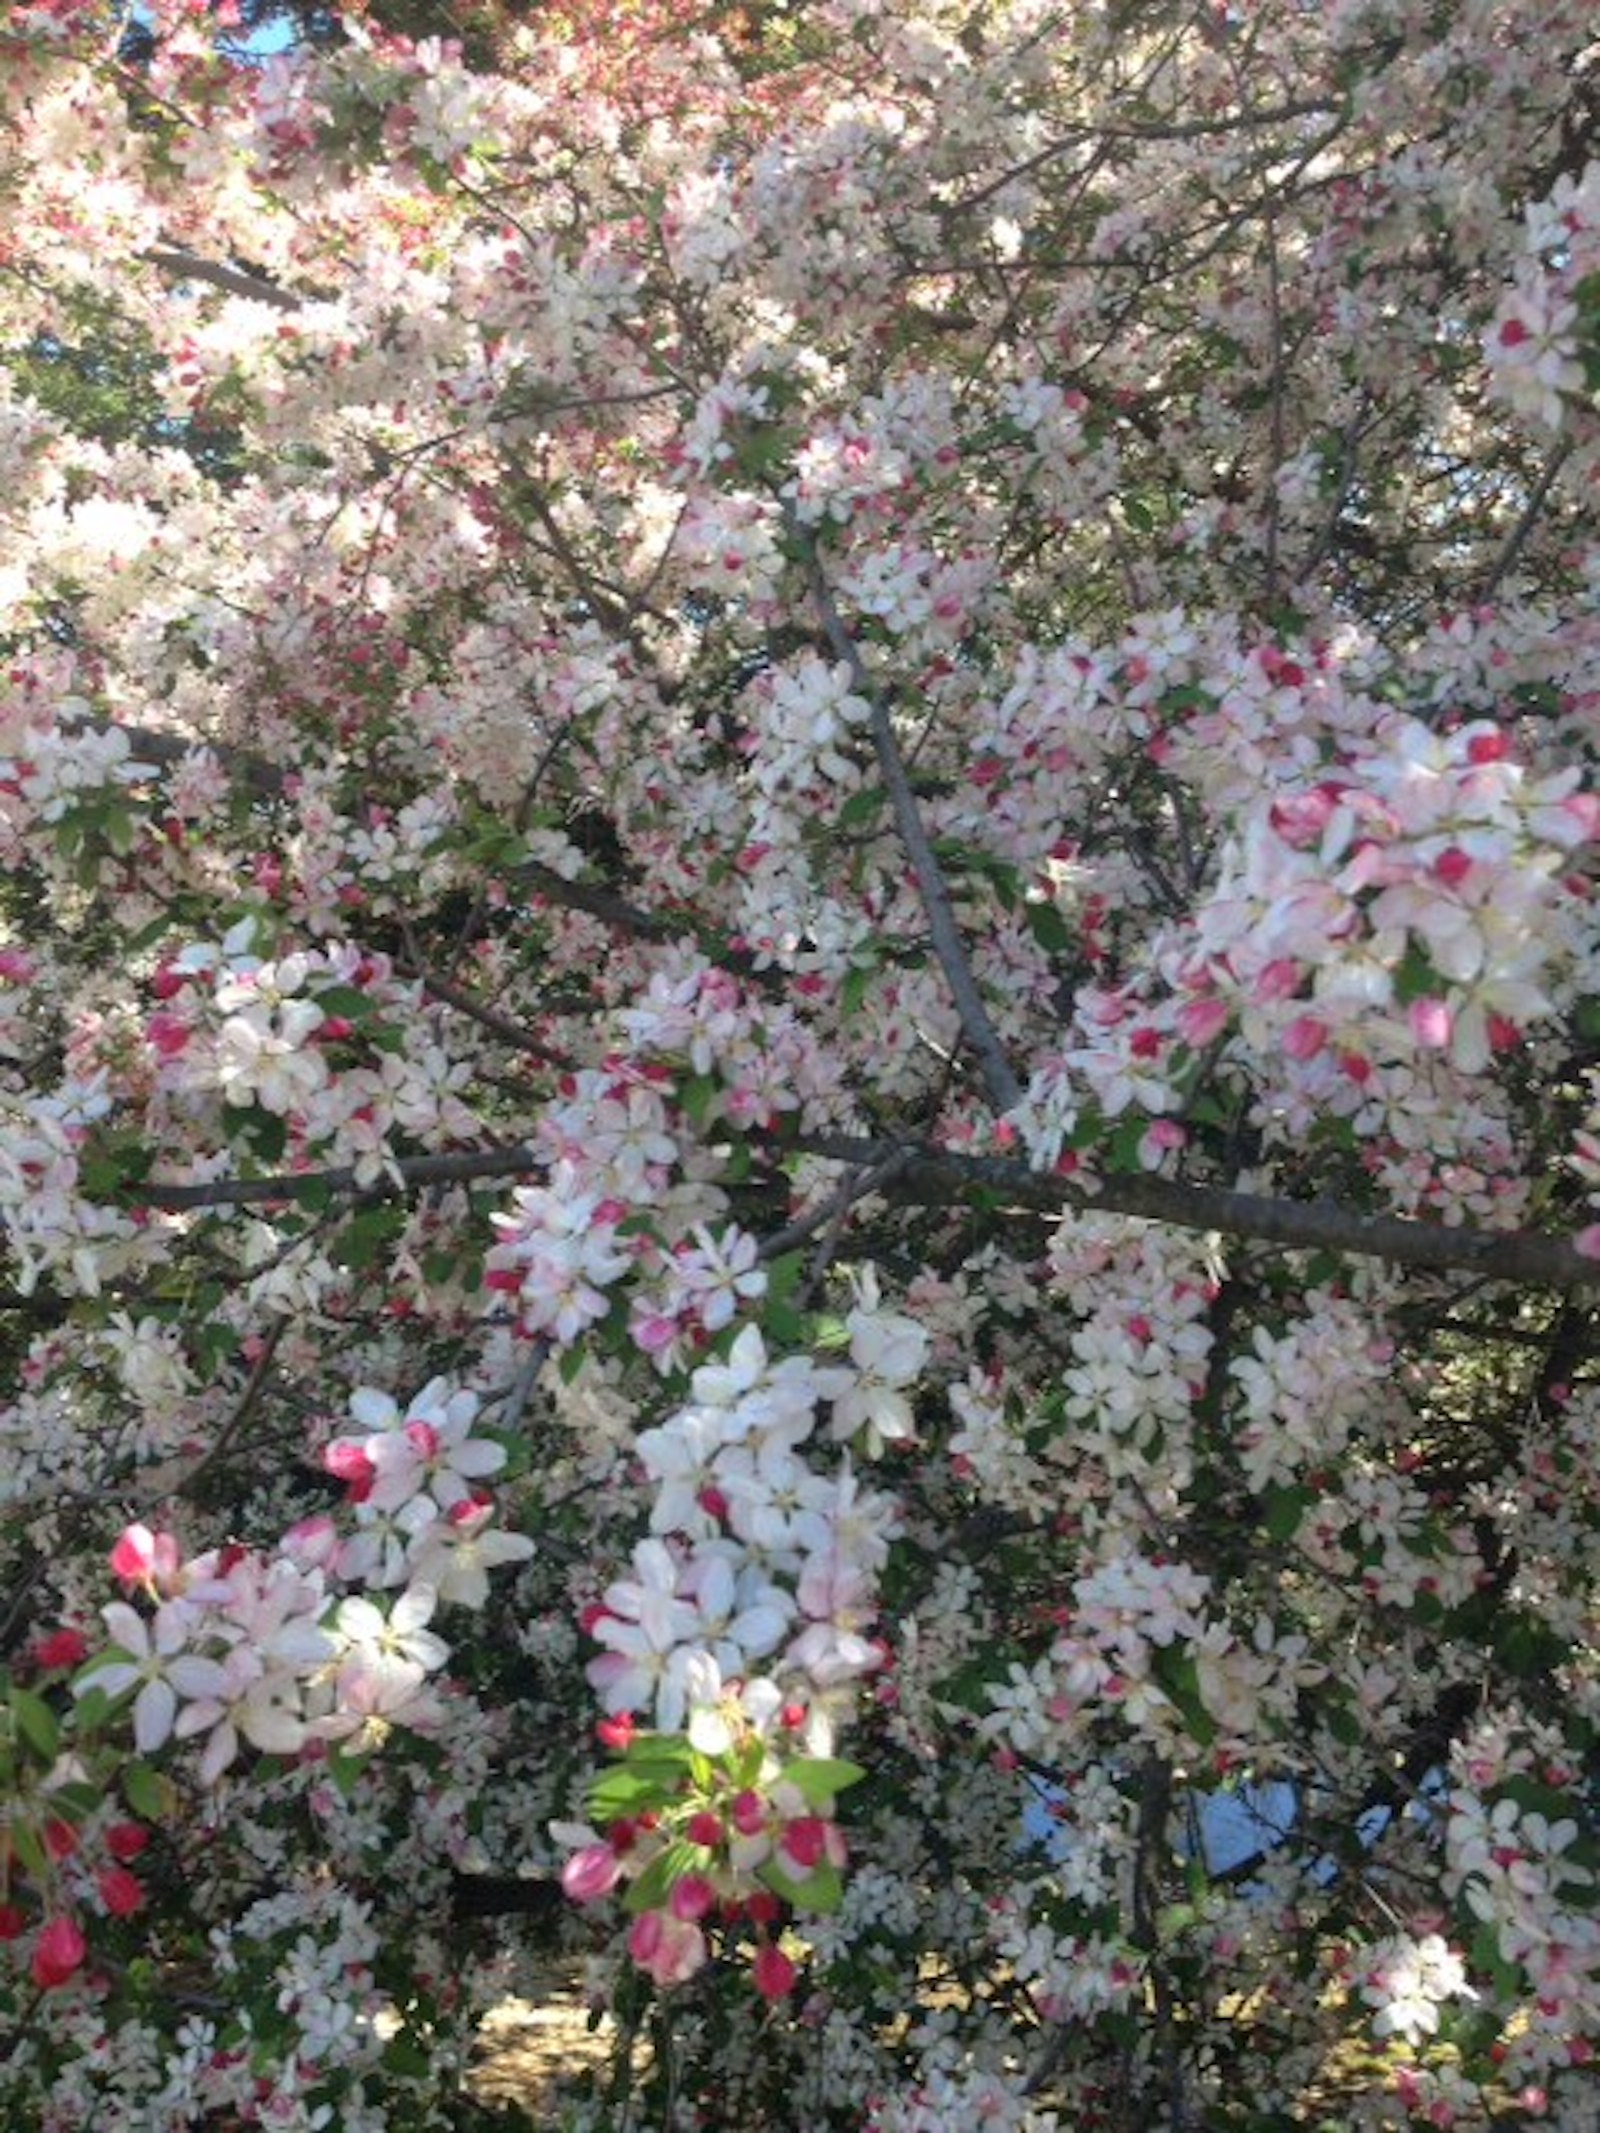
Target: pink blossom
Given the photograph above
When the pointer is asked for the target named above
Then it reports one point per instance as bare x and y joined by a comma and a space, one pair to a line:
1431, 1023
670, 1949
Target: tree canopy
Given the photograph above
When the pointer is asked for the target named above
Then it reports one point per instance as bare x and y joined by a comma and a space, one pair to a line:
800, 1061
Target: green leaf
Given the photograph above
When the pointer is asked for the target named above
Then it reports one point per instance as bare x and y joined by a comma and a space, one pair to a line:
93, 1706
819, 1780
1121, 1151
1186, 698
119, 829
25, 1843
346, 1001
1344, 1726
821, 1892
855, 988
36, 1723
78, 1800
1048, 927
697, 1097
628, 1792
263, 1133
345, 1771
1177, 1671
1526, 1647
659, 1752
1416, 978
407, 2055
100, 1175
147, 936
662, 1875
570, 1363
364, 1240
1282, 1510
1536, 1799
146, 1791
862, 807
1508, 1978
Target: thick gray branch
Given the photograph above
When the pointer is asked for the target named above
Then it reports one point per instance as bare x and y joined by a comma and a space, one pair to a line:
930, 1178
1526, 1257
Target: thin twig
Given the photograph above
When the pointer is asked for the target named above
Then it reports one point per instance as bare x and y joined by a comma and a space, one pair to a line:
999, 1079
467, 1003
834, 1208
249, 1400
1506, 561
1275, 329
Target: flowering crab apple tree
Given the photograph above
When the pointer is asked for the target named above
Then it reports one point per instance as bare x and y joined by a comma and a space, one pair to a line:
800, 1063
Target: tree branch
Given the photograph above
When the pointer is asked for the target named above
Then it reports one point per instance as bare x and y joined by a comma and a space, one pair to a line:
1511, 554
1005, 1091
931, 1177
449, 994
934, 1177
510, 1162
234, 281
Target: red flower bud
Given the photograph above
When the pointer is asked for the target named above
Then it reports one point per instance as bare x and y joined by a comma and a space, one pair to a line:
121, 1892
59, 1951
774, 1972
62, 1648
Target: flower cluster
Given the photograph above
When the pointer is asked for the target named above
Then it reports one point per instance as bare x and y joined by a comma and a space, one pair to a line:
238, 1648
721, 1831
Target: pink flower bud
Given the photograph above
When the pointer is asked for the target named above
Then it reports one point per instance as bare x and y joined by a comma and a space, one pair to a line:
692, 1897
591, 1874
347, 1461
133, 1558
1431, 1024
749, 1810
1304, 1038
1201, 1021
58, 1952
805, 1841
62, 1648
122, 1893
774, 1972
